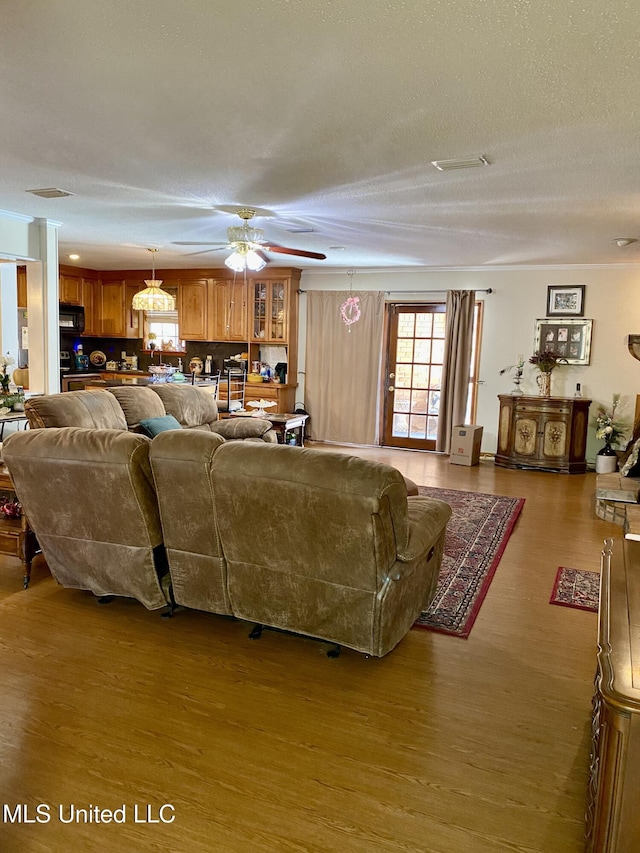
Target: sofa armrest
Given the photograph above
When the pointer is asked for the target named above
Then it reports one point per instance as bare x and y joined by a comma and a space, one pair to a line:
239, 429
427, 520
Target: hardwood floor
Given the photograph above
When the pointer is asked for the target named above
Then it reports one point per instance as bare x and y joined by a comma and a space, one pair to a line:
444, 746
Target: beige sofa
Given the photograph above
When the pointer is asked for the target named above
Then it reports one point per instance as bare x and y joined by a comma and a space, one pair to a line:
314, 542
126, 406
90, 499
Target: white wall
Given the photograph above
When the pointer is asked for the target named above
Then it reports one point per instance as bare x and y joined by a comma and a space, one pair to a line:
612, 300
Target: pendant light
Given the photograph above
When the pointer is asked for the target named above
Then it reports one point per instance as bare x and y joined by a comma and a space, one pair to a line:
153, 297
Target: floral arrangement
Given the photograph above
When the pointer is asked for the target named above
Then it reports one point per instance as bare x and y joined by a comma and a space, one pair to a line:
517, 366
607, 426
5, 379
546, 360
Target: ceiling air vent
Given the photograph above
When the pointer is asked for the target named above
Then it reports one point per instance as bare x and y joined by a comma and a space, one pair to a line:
50, 192
463, 163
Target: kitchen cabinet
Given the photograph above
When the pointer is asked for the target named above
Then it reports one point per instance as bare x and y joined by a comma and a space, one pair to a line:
270, 310
282, 395
548, 433
90, 299
227, 311
70, 289
192, 309
133, 321
116, 316
22, 286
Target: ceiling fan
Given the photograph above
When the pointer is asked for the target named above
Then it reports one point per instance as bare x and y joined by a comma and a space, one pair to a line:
248, 243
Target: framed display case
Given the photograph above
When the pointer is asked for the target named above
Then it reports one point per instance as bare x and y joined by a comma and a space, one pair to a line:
570, 339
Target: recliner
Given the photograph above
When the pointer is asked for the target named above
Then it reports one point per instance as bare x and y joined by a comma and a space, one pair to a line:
314, 542
90, 498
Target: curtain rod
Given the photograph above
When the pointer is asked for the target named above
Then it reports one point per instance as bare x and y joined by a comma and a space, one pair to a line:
388, 292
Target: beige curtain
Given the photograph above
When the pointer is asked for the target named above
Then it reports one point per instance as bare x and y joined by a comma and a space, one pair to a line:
456, 367
342, 380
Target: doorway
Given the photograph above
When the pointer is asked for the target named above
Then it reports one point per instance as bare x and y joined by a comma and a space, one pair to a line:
415, 353
414, 373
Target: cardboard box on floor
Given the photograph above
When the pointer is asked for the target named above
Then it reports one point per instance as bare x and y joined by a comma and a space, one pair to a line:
465, 444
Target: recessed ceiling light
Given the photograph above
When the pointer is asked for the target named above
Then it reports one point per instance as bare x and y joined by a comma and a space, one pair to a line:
74, 257
50, 192
462, 163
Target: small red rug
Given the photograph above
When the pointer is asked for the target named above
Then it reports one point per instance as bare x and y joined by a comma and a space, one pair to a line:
477, 534
577, 588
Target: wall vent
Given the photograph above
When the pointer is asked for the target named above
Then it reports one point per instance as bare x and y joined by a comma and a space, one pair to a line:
462, 163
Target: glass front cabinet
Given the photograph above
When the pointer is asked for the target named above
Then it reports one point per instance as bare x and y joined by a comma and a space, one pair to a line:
270, 310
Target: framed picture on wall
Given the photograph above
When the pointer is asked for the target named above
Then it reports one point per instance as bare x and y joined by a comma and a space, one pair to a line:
565, 300
571, 339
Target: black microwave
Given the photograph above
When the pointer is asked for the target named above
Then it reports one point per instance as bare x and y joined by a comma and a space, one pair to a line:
71, 318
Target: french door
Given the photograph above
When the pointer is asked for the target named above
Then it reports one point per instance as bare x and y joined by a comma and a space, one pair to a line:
414, 375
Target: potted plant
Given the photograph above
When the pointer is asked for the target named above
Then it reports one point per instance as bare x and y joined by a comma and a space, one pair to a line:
611, 429
5, 379
546, 361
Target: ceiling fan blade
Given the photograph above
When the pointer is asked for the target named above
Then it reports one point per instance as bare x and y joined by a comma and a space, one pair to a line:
282, 250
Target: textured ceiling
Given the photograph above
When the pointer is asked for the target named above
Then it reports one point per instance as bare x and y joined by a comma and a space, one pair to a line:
161, 117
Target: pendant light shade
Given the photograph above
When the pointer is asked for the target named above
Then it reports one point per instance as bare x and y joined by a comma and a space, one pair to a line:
153, 297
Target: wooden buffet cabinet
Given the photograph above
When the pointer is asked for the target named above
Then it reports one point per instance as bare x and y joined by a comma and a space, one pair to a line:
548, 433
613, 805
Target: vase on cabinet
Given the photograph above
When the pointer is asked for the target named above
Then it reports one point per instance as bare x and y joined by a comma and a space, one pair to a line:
606, 460
543, 381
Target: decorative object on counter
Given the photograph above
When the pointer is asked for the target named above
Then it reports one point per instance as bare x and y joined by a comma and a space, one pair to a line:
208, 365
20, 376
546, 361
609, 428
350, 308
5, 379
517, 376
11, 508
254, 378
196, 365
151, 337
98, 358
260, 407
153, 297
162, 372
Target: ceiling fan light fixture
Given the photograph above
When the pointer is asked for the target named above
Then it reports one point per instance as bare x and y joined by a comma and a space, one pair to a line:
254, 262
245, 258
153, 297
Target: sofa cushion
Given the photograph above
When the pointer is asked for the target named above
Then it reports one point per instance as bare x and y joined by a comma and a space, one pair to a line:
88, 409
138, 403
154, 426
192, 407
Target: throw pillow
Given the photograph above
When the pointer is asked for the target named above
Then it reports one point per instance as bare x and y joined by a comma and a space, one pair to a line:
153, 426
631, 467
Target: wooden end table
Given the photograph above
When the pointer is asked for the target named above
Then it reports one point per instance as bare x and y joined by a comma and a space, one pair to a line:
282, 424
16, 537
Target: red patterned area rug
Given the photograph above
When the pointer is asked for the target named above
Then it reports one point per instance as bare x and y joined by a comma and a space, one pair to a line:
576, 588
477, 534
